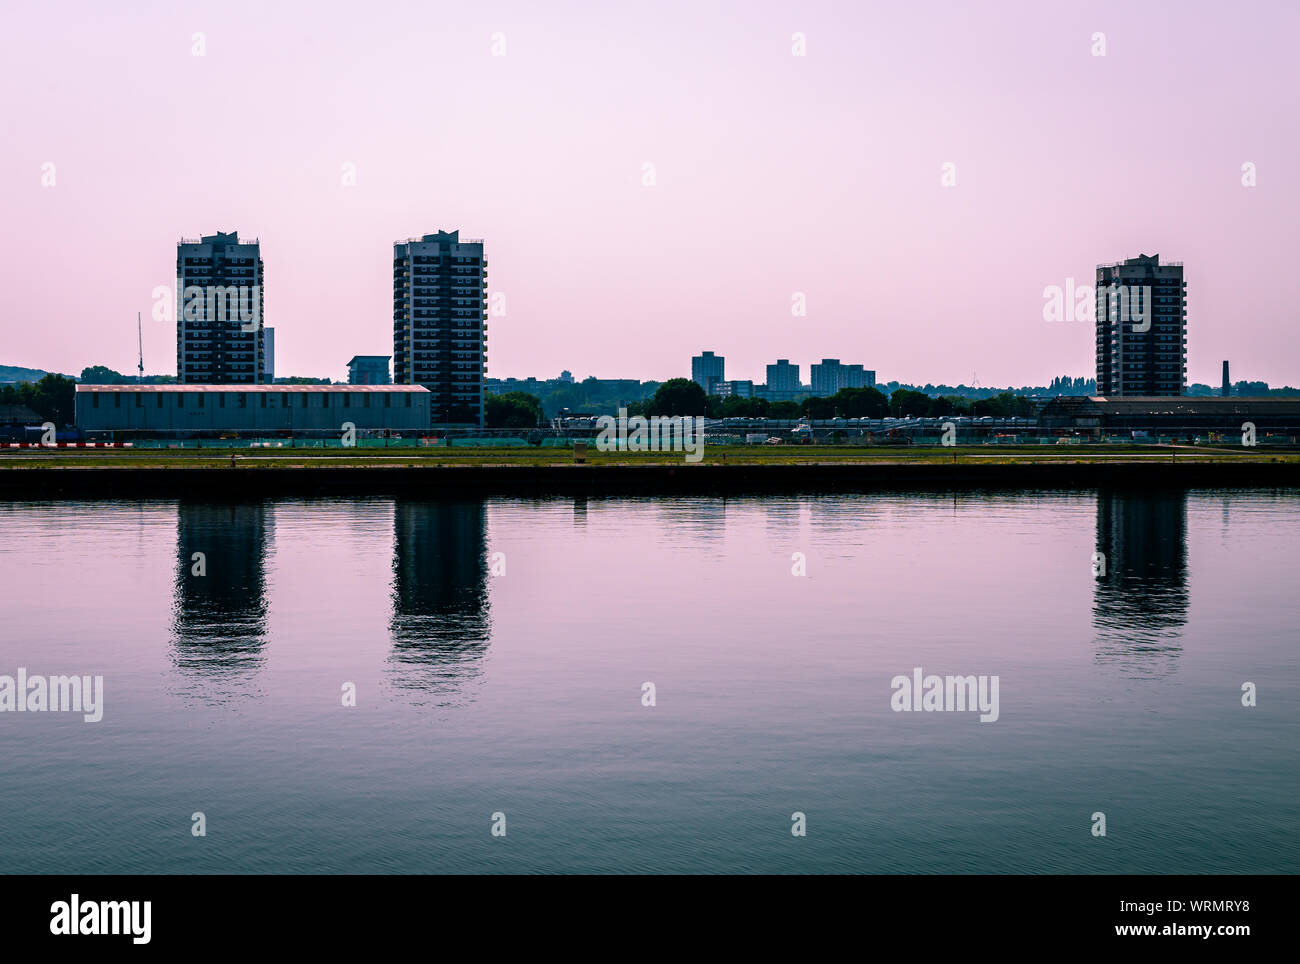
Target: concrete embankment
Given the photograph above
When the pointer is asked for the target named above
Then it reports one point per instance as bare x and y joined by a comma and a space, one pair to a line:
323, 479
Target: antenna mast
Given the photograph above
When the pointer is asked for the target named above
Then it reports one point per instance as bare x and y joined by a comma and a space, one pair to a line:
139, 334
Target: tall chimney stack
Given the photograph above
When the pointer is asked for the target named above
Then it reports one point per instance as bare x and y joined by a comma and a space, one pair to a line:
1226, 390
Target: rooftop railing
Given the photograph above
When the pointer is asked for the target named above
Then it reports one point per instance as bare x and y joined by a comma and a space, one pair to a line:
1125, 264
422, 241
201, 241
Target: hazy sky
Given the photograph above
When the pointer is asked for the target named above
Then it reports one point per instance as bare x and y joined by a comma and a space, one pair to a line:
774, 174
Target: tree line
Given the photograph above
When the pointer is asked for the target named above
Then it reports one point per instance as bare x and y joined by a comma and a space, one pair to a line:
681, 396
51, 397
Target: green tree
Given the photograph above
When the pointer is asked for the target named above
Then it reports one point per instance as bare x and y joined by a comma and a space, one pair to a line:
783, 410
512, 410
572, 398
860, 403
960, 405
679, 396
100, 375
735, 406
940, 406
1004, 405
52, 398
817, 407
907, 402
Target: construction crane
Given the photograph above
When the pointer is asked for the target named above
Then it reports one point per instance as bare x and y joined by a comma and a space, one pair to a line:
139, 335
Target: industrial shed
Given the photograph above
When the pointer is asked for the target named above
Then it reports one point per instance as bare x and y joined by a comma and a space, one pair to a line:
1183, 415
198, 410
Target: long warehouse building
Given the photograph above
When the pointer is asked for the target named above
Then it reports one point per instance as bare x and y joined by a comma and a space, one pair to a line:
250, 409
1181, 415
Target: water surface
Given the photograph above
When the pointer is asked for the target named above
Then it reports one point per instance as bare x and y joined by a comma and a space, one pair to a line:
520, 691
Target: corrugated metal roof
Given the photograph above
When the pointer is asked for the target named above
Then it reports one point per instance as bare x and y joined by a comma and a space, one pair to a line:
253, 388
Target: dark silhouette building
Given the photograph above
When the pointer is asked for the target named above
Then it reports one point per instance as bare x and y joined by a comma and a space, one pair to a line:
1141, 327
440, 623
369, 370
219, 281
1140, 600
440, 323
219, 604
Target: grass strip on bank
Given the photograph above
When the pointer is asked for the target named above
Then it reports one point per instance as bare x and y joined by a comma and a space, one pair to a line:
252, 459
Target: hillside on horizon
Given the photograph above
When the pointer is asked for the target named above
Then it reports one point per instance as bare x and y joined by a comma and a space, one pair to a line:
16, 373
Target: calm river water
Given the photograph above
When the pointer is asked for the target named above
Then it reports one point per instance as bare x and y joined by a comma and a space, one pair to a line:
499, 652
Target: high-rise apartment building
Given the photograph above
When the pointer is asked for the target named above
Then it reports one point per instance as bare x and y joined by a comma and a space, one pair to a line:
824, 379
855, 376
219, 317
782, 377
707, 370
830, 376
440, 323
1141, 327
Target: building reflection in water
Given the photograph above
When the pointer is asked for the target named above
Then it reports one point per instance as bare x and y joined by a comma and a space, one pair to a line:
219, 603
1140, 603
440, 623
700, 520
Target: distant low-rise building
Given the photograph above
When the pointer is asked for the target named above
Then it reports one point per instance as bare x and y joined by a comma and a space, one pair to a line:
18, 415
499, 386
268, 355
740, 387
762, 391
369, 370
19, 423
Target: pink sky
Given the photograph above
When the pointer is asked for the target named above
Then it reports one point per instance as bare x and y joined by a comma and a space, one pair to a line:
775, 174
